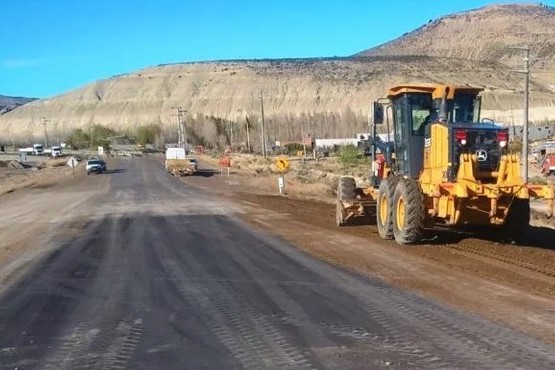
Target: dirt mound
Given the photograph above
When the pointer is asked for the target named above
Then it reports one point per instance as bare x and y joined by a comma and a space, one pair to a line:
55, 162
16, 165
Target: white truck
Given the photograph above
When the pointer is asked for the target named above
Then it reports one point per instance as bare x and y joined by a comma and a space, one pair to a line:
56, 151
36, 149
178, 164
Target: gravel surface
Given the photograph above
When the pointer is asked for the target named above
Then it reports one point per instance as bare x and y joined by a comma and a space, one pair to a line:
157, 274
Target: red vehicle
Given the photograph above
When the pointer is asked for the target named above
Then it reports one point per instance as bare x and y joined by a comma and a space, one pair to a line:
548, 165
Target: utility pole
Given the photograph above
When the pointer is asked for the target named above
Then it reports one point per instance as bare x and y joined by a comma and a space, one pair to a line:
44, 122
231, 134
526, 72
11, 136
247, 124
91, 129
262, 133
57, 134
303, 138
181, 128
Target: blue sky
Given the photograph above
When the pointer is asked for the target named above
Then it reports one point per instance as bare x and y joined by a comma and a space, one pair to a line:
52, 46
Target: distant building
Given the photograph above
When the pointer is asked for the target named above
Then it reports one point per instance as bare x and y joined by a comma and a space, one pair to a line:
330, 143
535, 132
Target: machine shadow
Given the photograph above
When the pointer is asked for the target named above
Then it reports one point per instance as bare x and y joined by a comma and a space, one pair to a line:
115, 171
207, 172
536, 236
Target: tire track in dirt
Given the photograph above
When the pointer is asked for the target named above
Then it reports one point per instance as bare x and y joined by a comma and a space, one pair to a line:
250, 337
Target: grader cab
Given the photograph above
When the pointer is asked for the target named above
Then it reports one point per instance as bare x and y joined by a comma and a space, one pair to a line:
443, 165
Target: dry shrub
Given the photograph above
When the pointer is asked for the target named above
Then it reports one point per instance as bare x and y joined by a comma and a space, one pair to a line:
55, 162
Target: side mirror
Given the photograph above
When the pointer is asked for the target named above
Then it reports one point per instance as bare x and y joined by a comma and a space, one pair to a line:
378, 113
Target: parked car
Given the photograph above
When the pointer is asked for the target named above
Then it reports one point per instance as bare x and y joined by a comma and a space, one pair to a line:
95, 166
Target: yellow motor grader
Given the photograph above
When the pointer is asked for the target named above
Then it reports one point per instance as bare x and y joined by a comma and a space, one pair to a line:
442, 165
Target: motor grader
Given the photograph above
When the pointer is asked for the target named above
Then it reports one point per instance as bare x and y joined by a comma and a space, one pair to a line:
442, 166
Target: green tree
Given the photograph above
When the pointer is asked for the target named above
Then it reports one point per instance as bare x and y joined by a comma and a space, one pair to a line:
348, 155
96, 135
147, 134
78, 139
101, 135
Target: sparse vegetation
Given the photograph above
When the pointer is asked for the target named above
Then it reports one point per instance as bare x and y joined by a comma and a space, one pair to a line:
148, 134
97, 135
349, 156
515, 146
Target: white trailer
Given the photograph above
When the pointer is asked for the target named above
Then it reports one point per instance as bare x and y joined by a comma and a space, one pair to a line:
36, 149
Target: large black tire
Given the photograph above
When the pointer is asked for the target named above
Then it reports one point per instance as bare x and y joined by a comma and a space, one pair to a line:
408, 212
384, 207
346, 190
517, 223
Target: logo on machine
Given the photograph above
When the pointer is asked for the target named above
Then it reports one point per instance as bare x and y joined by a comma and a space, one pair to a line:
481, 155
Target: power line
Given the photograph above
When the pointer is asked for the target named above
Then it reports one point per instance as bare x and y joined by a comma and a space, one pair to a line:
262, 133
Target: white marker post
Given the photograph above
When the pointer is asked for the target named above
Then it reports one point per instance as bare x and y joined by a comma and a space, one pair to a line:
281, 184
72, 162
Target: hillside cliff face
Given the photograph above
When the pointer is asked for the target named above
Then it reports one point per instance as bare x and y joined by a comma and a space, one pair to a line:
485, 34
466, 48
231, 90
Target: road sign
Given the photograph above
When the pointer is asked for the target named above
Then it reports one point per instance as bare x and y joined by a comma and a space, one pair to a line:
72, 162
225, 162
307, 139
282, 164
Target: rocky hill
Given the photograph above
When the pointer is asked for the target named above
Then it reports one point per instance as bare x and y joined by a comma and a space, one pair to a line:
455, 49
8, 103
485, 34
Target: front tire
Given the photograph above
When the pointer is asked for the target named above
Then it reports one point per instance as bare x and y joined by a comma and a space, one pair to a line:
409, 212
346, 190
384, 207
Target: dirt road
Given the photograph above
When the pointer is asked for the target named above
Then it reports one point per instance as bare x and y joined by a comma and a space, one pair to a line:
138, 270
508, 283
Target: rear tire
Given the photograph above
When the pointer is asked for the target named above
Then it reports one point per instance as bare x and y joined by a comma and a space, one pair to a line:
517, 223
384, 207
339, 214
408, 212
